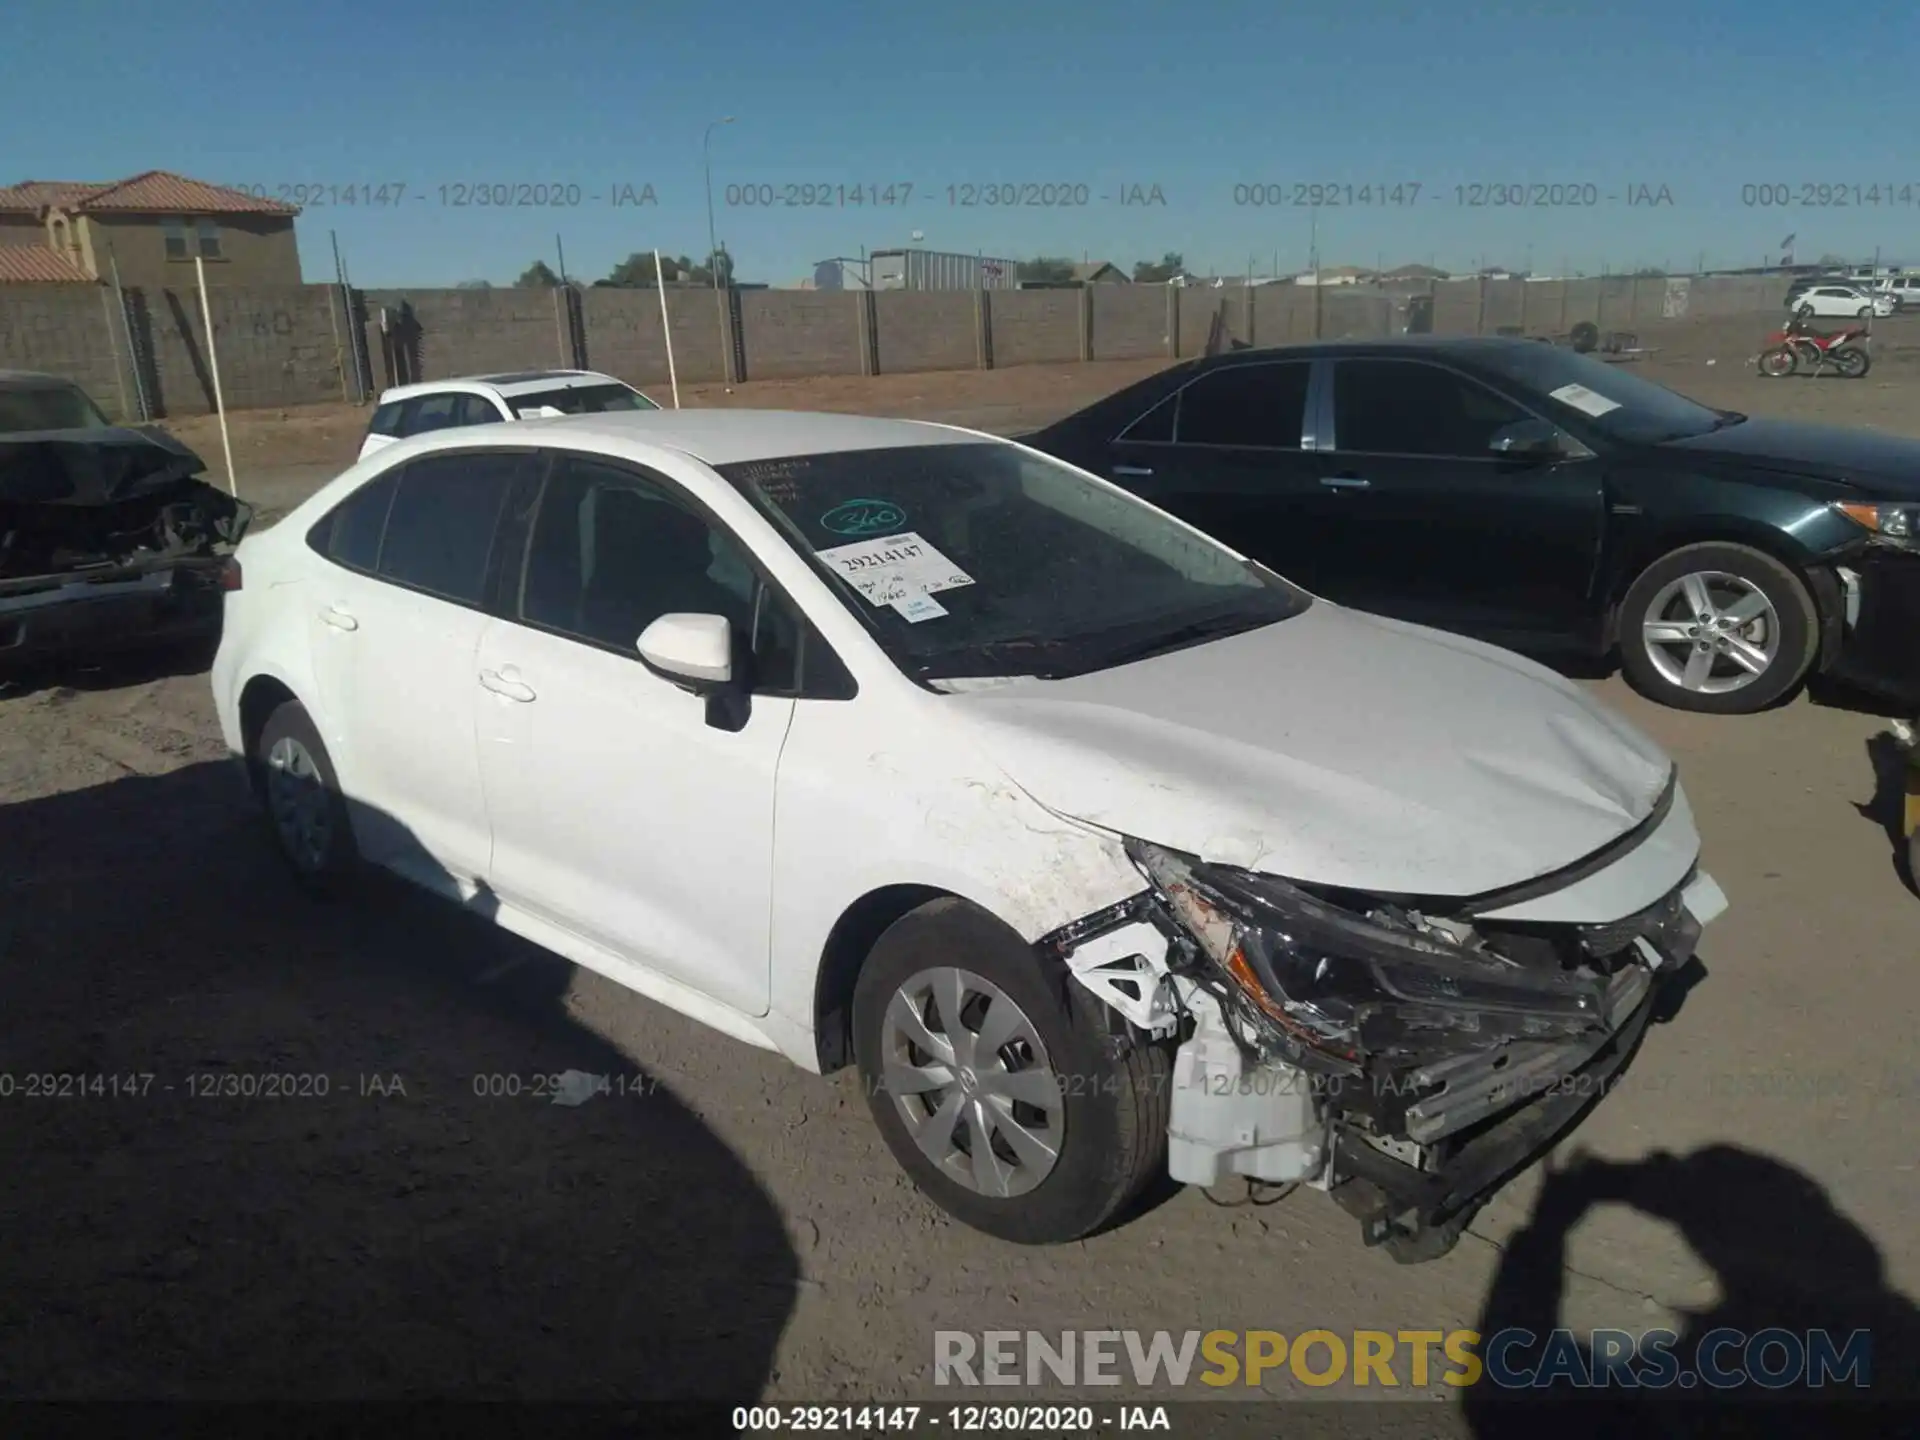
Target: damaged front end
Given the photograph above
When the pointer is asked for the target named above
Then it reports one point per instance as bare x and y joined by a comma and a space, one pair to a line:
108, 538
1408, 1062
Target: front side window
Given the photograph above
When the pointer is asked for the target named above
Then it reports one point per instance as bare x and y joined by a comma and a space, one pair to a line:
1404, 407
1262, 406
611, 554
978, 559
27, 408
440, 529
471, 409
580, 400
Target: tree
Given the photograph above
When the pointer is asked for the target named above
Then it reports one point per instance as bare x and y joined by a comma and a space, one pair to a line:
537, 276
1049, 269
474, 285
637, 272
1158, 272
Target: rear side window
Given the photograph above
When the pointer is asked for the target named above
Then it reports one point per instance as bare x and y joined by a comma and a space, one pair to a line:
440, 529
387, 420
350, 534
1263, 406
435, 412
1156, 426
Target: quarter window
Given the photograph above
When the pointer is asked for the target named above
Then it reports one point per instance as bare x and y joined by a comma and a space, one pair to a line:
1404, 407
350, 534
1262, 406
440, 529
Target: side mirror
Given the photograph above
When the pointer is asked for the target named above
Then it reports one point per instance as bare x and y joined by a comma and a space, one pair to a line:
695, 652
1529, 439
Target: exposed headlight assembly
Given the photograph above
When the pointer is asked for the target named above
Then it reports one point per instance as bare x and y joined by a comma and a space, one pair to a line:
1342, 986
1899, 524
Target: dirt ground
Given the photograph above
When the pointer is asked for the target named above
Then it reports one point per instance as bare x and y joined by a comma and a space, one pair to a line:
317, 1154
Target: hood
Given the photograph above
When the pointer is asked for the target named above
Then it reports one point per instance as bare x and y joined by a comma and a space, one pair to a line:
1886, 464
90, 467
1334, 748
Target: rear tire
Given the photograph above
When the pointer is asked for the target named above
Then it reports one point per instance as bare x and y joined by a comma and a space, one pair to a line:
1103, 1114
1755, 645
1852, 362
300, 794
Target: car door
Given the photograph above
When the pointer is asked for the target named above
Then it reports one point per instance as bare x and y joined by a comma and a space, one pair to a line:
397, 617
623, 808
1230, 453
1422, 519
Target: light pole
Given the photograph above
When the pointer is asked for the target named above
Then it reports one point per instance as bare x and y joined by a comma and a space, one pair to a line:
713, 247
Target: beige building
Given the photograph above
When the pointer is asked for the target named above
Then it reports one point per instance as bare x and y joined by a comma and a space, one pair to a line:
153, 225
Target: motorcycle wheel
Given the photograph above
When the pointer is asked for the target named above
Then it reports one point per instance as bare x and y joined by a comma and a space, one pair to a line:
1777, 362
1851, 361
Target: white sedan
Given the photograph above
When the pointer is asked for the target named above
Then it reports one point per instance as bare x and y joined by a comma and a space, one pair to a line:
453, 404
1098, 848
1842, 300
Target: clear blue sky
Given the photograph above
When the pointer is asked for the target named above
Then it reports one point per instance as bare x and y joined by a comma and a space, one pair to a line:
1701, 98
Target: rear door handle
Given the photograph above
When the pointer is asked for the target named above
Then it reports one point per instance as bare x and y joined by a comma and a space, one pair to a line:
501, 685
1131, 470
339, 619
1345, 482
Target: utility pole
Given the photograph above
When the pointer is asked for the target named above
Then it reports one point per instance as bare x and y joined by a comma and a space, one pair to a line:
713, 249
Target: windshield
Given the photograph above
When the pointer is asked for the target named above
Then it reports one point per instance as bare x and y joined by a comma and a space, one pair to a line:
580, 400
27, 408
1606, 397
978, 559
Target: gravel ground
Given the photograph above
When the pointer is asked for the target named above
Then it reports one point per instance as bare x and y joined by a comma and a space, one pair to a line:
716, 1224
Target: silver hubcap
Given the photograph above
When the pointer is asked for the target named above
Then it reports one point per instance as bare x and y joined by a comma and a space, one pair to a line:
1711, 632
971, 1080
298, 804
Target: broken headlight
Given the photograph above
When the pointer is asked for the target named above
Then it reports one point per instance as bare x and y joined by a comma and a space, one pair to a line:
1343, 985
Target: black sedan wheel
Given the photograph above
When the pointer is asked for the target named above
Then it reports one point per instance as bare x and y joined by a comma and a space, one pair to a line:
1719, 628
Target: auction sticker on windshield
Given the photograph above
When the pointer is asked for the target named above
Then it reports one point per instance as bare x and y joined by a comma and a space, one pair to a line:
896, 568
1581, 398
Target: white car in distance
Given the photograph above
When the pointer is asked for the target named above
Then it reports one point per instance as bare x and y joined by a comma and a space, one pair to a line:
1832, 300
408, 410
1097, 847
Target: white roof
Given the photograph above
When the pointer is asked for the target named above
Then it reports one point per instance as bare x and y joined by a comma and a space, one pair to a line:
522, 382
715, 437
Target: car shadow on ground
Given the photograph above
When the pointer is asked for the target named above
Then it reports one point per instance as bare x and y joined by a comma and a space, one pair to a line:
110, 671
269, 1147
1784, 1259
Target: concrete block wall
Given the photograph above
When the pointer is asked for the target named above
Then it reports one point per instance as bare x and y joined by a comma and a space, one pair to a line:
925, 330
69, 330
1130, 322
281, 345
276, 345
1035, 327
790, 333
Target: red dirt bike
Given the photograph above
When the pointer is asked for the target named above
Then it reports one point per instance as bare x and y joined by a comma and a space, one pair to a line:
1799, 348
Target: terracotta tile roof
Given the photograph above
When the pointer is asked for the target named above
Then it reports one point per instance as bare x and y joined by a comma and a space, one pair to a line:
32, 265
36, 195
150, 191
162, 190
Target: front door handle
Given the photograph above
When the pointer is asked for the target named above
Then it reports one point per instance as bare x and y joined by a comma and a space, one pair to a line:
502, 685
1131, 470
339, 619
1345, 482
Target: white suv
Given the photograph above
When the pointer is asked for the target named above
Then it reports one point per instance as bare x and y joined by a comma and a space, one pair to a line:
409, 410
1096, 846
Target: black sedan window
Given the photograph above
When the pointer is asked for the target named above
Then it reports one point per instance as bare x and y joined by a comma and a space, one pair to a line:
1404, 407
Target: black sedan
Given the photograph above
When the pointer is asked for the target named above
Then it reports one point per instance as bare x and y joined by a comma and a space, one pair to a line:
1522, 494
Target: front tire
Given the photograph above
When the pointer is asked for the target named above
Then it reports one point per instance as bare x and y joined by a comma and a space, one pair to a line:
1011, 1096
1719, 628
300, 793
1778, 362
